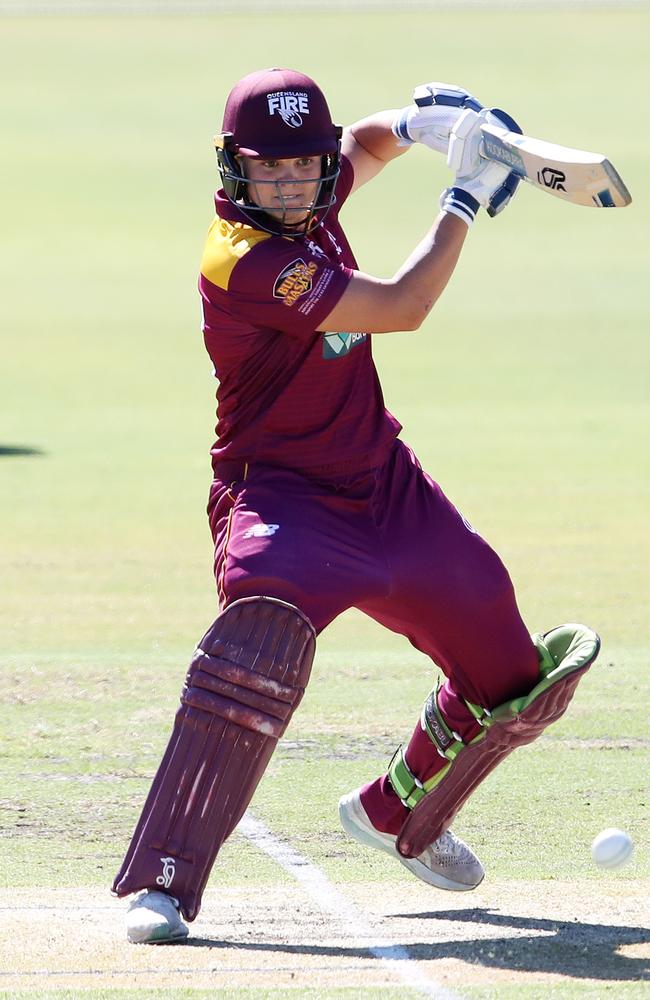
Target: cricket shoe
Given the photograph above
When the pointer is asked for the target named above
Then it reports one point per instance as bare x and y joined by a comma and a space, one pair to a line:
153, 918
447, 863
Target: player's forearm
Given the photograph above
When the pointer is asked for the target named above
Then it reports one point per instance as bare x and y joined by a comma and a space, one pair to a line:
421, 280
386, 305
375, 136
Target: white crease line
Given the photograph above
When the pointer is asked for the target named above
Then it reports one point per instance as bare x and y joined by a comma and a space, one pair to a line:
191, 971
321, 890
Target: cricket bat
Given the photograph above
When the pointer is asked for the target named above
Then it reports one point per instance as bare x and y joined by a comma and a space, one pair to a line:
571, 174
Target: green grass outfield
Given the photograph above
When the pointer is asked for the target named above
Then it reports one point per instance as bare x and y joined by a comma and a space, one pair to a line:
525, 395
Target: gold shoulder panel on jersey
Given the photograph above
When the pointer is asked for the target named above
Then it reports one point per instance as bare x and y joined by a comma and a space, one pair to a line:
227, 243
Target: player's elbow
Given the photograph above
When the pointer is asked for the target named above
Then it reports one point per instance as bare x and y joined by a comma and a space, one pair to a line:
414, 313
417, 319
410, 303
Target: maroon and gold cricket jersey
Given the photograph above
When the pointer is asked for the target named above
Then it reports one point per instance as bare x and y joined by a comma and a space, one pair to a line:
288, 395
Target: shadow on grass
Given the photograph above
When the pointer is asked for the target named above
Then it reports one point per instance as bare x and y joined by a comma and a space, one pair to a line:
11, 450
579, 950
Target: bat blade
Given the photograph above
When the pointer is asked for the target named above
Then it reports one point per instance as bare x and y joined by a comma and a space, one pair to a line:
571, 174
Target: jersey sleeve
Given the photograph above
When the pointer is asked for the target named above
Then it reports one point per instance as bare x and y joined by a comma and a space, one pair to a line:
281, 284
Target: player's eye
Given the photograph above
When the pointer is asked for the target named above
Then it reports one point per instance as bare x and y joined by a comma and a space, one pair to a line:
305, 161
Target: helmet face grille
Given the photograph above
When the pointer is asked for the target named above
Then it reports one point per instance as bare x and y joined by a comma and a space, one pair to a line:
237, 188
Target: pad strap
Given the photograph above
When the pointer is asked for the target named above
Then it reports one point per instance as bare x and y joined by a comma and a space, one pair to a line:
447, 742
407, 786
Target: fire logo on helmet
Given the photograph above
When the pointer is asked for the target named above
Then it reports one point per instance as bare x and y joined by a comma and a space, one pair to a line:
291, 105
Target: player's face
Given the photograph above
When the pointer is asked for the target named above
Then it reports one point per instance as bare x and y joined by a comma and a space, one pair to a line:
285, 189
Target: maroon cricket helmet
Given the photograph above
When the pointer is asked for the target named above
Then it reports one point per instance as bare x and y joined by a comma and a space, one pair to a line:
278, 114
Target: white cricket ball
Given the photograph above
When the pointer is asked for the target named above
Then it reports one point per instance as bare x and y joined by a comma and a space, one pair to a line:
612, 848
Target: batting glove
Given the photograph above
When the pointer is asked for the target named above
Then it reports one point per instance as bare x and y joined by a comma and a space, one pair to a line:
491, 185
430, 119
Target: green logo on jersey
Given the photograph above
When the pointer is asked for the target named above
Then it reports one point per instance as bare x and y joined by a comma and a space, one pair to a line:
335, 345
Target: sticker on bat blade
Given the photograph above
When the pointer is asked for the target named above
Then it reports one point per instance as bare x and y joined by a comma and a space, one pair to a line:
551, 178
603, 199
497, 150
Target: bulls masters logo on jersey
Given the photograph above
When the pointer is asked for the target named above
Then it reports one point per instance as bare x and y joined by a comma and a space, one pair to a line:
291, 105
294, 280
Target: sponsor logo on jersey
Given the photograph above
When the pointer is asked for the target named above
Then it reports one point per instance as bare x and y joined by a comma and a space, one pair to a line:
295, 280
168, 872
315, 249
336, 345
291, 105
261, 530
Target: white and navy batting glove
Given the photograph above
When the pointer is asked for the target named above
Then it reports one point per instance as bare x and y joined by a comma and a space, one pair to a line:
435, 110
491, 184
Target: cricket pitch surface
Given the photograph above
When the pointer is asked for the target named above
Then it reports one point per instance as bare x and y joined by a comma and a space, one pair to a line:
417, 940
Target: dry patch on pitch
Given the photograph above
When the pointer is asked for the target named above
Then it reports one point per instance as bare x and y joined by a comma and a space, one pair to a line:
273, 937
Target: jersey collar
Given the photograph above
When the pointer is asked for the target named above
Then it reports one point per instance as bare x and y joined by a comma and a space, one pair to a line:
226, 210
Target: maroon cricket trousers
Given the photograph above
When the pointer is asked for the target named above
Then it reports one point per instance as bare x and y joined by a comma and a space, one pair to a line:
391, 544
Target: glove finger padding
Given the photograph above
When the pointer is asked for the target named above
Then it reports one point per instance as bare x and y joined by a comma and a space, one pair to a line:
465, 140
429, 126
435, 110
464, 144
503, 195
485, 183
506, 192
444, 94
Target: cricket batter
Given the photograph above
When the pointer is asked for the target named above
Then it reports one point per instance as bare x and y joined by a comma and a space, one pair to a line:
317, 505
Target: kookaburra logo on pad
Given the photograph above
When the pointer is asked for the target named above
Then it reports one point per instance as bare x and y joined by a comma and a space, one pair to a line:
291, 105
168, 872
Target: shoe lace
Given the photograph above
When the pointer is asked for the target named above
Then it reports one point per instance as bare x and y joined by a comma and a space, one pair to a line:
448, 843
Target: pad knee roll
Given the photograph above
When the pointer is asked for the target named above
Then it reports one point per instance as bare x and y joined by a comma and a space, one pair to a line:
248, 667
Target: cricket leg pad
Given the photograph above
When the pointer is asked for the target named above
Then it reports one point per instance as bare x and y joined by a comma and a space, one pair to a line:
246, 679
565, 654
